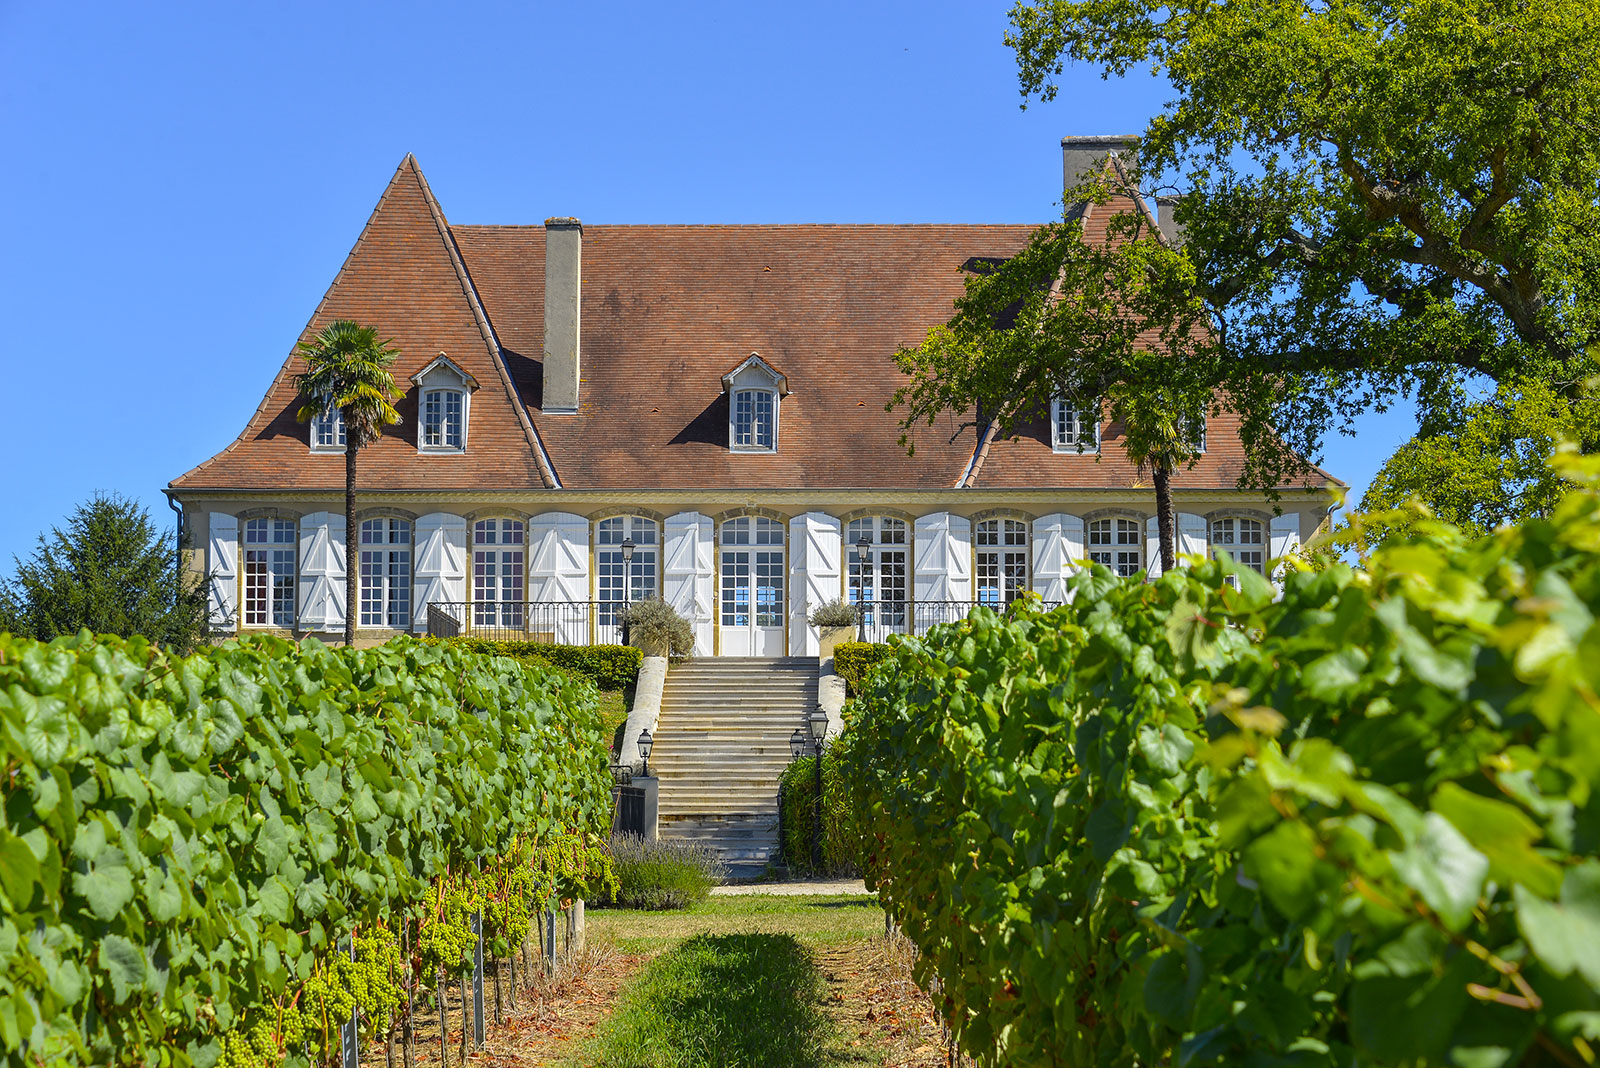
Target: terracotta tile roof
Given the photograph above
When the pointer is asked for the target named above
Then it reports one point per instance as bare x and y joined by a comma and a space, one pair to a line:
402, 277
666, 311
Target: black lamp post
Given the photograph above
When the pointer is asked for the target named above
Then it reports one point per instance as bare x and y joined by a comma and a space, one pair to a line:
864, 552
646, 743
817, 724
627, 584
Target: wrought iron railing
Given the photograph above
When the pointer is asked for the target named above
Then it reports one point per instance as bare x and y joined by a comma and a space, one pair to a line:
556, 622
876, 620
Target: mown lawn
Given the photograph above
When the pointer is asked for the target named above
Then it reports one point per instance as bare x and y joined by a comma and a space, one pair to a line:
811, 919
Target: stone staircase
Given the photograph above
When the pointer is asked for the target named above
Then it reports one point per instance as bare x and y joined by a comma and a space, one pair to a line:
720, 745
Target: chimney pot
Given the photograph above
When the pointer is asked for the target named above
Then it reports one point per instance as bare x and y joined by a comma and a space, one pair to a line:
563, 274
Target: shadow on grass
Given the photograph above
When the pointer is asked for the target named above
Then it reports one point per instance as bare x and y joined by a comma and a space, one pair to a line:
849, 903
720, 1001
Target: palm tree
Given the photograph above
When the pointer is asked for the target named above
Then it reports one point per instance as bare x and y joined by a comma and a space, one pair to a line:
1159, 439
347, 370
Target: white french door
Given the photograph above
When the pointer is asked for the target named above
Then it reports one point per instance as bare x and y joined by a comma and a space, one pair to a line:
753, 574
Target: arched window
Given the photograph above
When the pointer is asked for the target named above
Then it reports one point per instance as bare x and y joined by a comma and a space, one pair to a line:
443, 419
497, 558
1001, 551
618, 580
1243, 539
386, 573
877, 576
269, 572
1116, 544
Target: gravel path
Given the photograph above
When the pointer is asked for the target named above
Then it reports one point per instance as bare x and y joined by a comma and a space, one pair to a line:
795, 888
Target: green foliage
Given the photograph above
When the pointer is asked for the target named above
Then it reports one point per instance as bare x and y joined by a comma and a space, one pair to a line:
835, 613
656, 627
347, 366
186, 840
610, 667
110, 570
715, 1001
661, 874
797, 794
1380, 197
853, 661
1492, 465
1187, 823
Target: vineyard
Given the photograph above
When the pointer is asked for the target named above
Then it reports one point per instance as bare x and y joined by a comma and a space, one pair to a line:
217, 859
1195, 822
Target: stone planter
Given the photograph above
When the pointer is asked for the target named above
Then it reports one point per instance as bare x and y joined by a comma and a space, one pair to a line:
832, 636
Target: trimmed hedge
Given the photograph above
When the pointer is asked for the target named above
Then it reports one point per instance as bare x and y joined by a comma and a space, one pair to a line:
854, 661
185, 839
1187, 823
610, 667
797, 794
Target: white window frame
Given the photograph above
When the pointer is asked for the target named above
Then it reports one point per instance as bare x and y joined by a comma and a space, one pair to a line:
1197, 436
1123, 537
1228, 540
887, 584
328, 423
755, 444
499, 571
271, 550
1062, 441
642, 578
394, 576
1009, 554
426, 426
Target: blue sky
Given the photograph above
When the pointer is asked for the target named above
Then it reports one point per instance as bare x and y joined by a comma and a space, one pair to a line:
183, 181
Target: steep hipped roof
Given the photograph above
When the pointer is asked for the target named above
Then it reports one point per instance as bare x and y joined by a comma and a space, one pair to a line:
404, 277
666, 310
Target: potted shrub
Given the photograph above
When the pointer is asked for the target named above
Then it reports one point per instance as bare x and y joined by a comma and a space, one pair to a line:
837, 621
658, 630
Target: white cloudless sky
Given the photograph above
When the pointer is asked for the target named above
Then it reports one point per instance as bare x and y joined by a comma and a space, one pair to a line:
182, 181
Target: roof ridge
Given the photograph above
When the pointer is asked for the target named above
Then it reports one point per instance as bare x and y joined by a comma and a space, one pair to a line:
491, 342
266, 399
759, 226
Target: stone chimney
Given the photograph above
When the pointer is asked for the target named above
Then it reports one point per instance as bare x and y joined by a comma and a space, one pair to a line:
1171, 228
1083, 157
563, 275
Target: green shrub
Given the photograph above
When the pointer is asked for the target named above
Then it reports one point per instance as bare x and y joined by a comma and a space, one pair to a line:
835, 613
797, 794
185, 839
655, 625
610, 667
854, 661
663, 874
1187, 823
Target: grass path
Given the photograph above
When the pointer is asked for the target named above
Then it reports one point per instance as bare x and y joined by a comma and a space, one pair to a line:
736, 982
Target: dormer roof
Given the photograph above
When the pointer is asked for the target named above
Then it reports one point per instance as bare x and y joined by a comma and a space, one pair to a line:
444, 361
779, 379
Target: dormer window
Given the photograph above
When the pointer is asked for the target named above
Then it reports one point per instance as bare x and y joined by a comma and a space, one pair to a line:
327, 431
442, 418
444, 405
755, 411
755, 388
1073, 429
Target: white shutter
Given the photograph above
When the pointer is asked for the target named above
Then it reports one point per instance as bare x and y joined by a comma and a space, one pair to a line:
222, 560
688, 573
1285, 537
815, 541
1152, 546
1192, 535
558, 571
322, 574
942, 558
1050, 567
1057, 552
441, 564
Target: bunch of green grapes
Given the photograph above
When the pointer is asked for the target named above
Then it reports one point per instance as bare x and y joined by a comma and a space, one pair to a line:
507, 884
446, 939
567, 867
259, 1044
339, 986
